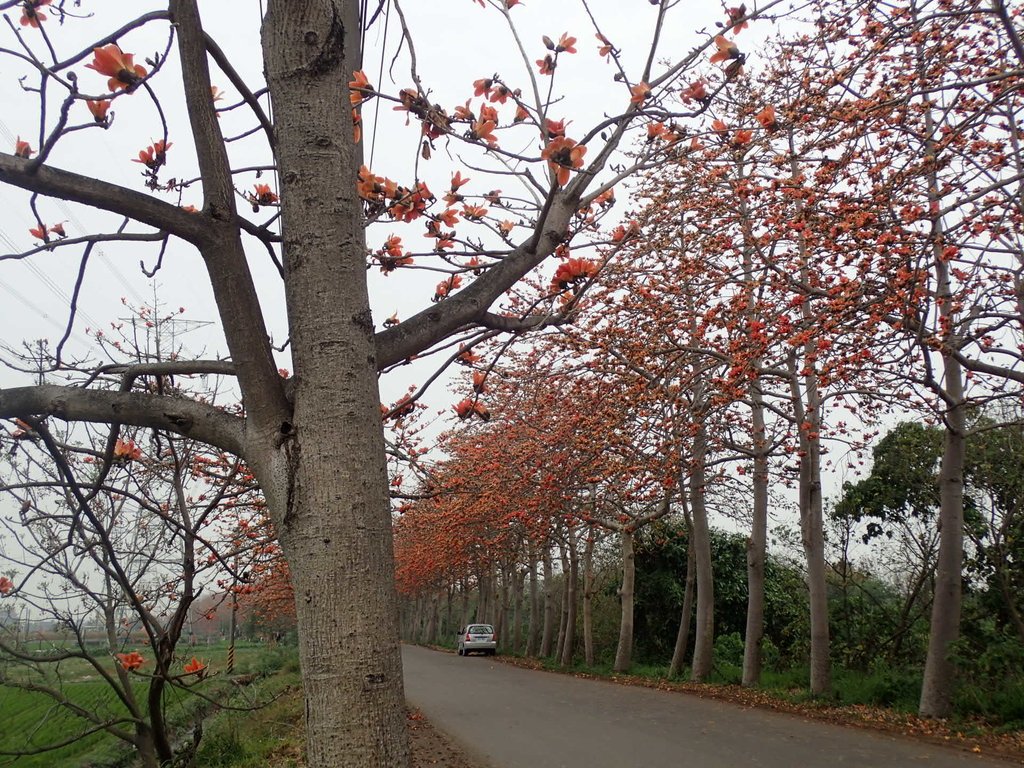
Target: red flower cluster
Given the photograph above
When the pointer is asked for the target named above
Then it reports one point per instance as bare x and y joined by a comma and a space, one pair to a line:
130, 661
572, 271
155, 155
31, 16
120, 67
466, 408
127, 450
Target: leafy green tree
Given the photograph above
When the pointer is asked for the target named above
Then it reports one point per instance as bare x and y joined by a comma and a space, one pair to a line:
902, 483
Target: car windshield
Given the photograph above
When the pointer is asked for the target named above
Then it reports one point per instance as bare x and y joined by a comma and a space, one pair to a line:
480, 629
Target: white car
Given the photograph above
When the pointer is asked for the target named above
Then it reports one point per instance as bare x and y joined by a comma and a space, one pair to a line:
478, 637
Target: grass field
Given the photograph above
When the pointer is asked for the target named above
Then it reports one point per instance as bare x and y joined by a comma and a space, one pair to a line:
29, 720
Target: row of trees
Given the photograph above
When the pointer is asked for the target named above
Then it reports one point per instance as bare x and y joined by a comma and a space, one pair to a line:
844, 242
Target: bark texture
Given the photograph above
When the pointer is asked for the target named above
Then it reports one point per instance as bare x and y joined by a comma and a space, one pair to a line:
334, 523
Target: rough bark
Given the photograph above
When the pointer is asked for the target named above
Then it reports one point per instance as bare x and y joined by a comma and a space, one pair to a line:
624, 650
334, 518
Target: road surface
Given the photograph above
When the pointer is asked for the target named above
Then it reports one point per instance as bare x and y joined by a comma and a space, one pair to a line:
517, 718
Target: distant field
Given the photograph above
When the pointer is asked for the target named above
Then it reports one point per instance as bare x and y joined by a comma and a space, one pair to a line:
30, 719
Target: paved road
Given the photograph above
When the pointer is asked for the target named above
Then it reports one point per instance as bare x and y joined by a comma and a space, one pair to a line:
518, 718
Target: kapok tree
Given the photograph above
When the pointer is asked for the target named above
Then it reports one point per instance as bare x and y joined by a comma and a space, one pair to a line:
316, 446
938, 107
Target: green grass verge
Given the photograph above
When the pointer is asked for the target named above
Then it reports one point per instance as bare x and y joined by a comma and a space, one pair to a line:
31, 720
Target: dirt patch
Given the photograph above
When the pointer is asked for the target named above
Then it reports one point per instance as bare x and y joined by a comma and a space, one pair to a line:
430, 747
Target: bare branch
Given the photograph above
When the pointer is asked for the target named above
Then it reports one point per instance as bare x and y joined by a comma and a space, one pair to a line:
183, 417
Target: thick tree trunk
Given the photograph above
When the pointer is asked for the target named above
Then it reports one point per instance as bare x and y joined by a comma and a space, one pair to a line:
447, 630
624, 651
418, 622
549, 605
704, 638
330, 499
683, 634
433, 619
484, 600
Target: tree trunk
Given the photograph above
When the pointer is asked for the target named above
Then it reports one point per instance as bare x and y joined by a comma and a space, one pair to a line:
518, 577
327, 485
683, 635
533, 629
588, 595
756, 544
501, 609
808, 423
447, 630
563, 618
433, 619
939, 671
812, 529
464, 620
549, 605
704, 640
624, 651
483, 603
569, 644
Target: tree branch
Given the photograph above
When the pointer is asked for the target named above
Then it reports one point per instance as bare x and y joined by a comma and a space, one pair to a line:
192, 227
184, 417
470, 305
